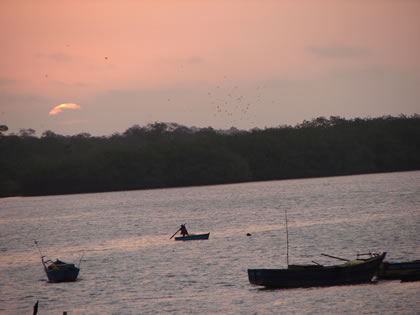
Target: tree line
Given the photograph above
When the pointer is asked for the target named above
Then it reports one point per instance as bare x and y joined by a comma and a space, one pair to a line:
162, 155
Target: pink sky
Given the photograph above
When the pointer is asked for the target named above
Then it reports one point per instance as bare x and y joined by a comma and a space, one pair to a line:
205, 62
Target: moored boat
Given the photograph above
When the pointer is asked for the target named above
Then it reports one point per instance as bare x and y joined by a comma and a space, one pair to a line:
397, 270
192, 237
59, 271
410, 276
351, 272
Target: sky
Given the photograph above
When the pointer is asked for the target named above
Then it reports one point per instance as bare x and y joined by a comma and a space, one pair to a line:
204, 63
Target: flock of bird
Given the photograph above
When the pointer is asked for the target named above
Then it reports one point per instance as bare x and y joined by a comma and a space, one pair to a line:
231, 104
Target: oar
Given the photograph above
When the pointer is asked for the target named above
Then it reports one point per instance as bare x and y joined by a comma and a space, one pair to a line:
175, 233
335, 257
178, 230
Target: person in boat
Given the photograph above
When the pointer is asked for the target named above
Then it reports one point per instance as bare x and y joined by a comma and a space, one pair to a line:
183, 230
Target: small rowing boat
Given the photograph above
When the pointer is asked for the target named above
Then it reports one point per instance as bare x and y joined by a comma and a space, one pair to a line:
192, 237
185, 236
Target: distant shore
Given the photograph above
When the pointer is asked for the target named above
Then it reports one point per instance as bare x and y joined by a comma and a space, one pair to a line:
165, 155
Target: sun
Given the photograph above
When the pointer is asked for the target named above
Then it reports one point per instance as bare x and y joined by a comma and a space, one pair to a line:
59, 108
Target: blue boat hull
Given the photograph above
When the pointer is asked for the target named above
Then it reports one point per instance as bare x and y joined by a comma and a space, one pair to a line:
193, 237
391, 271
410, 276
62, 275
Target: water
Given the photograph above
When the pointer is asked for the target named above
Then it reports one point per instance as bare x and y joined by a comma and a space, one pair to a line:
131, 267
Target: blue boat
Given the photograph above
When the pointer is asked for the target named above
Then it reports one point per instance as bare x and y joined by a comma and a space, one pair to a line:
192, 237
59, 271
410, 276
399, 270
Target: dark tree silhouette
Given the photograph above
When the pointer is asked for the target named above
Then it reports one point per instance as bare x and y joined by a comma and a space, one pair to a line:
171, 155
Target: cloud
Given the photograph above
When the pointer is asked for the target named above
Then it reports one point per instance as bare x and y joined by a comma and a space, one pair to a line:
75, 122
59, 108
58, 57
338, 51
14, 99
5, 81
195, 60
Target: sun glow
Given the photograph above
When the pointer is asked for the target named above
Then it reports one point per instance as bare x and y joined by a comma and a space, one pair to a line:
59, 108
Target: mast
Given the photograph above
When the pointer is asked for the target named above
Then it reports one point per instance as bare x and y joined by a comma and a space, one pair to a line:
287, 239
42, 256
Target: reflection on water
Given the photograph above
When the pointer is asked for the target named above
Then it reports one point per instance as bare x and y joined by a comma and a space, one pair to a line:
131, 267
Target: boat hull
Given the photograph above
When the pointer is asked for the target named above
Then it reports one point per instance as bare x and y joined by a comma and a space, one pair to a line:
395, 271
309, 276
193, 237
410, 276
62, 275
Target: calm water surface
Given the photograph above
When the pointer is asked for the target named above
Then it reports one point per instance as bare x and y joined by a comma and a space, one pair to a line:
131, 267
